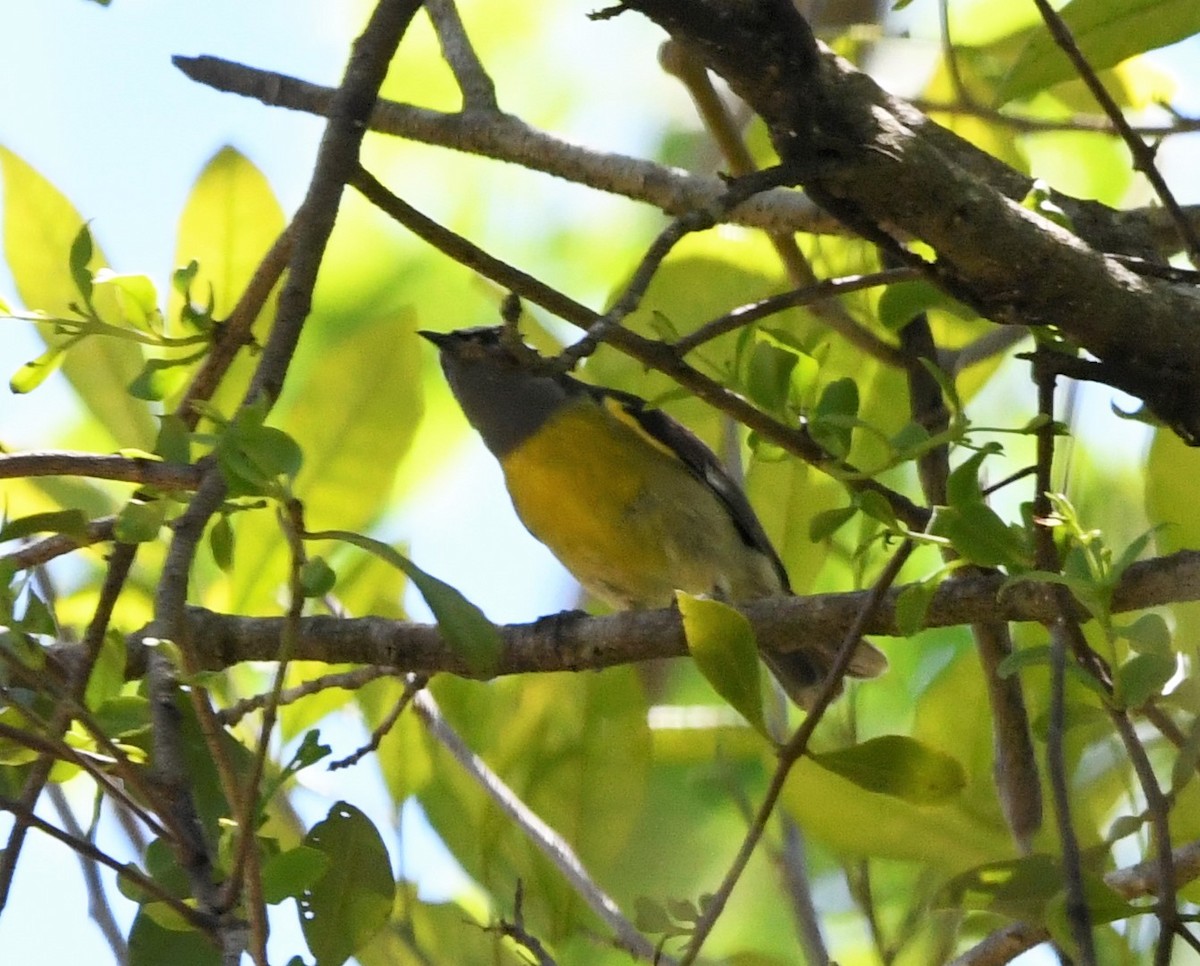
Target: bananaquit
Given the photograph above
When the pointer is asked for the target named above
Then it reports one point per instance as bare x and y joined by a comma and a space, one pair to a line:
633, 504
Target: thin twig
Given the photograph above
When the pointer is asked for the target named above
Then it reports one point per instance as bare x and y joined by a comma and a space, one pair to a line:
197, 919
98, 904
235, 332
1028, 124
806, 295
348, 680
1143, 155
736, 192
790, 753
478, 91
1159, 810
507, 138
1132, 882
413, 684
1079, 915
549, 842
119, 565
43, 551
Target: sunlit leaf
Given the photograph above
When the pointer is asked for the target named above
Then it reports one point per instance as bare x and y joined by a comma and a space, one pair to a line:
352, 901
723, 645
898, 766
40, 228
1106, 32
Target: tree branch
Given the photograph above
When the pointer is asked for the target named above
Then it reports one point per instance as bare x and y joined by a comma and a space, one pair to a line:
889, 173
568, 643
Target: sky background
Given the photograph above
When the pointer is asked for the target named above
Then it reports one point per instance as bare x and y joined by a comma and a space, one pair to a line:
94, 105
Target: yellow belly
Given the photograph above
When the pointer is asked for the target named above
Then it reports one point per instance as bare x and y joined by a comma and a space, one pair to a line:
627, 518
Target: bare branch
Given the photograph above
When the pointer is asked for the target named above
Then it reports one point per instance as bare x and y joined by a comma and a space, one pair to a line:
173, 476
574, 644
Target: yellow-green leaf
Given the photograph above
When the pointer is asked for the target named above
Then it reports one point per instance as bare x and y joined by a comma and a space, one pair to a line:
723, 645
899, 766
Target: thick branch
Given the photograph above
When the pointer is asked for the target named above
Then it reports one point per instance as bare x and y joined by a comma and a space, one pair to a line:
890, 173
502, 137
566, 643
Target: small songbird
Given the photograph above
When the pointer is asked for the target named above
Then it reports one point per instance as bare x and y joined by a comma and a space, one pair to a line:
633, 504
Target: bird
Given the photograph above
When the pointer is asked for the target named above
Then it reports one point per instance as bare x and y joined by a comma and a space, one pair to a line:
632, 503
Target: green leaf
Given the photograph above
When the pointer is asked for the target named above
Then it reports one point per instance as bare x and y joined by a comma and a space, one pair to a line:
1106, 32
352, 901
252, 457
77, 261
71, 523
316, 577
723, 645
768, 379
650, 916
36, 371
1017, 888
152, 945
1148, 634
468, 632
977, 532
135, 296
826, 523
291, 873
174, 442
139, 521
832, 420
40, 229
221, 542
899, 766
901, 302
912, 605
1141, 678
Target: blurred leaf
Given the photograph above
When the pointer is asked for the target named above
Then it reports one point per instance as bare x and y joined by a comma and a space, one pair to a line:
898, 766
230, 220
1141, 678
72, 523
1148, 634
134, 295
1106, 32
839, 813
40, 228
769, 376
290, 873
317, 577
152, 945
832, 420
140, 521
353, 407
826, 523
904, 301
977, 532
724, 647
352, 901
563, 743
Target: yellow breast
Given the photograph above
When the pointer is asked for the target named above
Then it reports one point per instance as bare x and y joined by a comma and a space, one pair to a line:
625, 516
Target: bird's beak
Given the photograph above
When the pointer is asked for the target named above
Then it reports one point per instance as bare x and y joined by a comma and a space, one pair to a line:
439, 339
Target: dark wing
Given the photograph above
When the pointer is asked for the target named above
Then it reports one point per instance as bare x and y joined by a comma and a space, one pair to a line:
703, 463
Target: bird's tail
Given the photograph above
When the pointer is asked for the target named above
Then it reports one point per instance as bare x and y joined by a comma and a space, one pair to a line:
801, 673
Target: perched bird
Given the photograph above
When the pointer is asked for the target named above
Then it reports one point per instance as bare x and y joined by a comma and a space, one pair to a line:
634, 505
